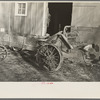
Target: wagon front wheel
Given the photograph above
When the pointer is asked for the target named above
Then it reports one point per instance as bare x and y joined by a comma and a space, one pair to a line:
49, 56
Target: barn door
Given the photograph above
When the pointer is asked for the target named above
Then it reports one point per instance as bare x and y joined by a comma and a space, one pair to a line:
60, 16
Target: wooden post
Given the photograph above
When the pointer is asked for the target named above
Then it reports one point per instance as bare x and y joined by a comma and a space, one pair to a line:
36, 18
31, 18
9, 31
44, 18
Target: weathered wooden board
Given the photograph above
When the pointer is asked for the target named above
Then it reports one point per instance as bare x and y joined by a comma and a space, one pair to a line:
18, 27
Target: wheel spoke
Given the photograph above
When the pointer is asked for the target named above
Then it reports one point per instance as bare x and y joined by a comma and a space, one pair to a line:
49, 56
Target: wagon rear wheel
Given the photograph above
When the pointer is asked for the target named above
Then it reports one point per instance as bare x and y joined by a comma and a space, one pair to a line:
49, 57
3, 53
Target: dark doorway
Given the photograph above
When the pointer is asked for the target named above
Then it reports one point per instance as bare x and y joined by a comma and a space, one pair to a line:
60, 16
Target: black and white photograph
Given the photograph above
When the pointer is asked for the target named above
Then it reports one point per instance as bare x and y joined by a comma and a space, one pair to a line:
49, 41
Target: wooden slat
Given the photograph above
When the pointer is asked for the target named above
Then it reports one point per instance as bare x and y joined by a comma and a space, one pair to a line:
33, 18
21, 26
39, 19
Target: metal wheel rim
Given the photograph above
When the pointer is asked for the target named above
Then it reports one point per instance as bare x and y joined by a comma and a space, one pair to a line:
38, 58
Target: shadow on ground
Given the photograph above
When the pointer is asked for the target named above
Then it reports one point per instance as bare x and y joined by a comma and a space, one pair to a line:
22, 67
29, 57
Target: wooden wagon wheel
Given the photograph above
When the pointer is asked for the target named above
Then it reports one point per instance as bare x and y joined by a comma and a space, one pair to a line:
3, 53
49, 57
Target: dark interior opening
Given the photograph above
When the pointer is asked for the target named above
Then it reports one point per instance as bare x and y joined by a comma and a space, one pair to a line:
60, 16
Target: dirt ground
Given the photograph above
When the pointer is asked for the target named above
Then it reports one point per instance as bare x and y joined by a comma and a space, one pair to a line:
22, 67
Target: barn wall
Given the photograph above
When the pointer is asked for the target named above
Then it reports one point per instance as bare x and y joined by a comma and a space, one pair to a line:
30, 24
4, 16
19, 29
86, 16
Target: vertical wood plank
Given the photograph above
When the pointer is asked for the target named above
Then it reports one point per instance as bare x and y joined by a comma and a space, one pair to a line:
33, 22
45, 15
39, 19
